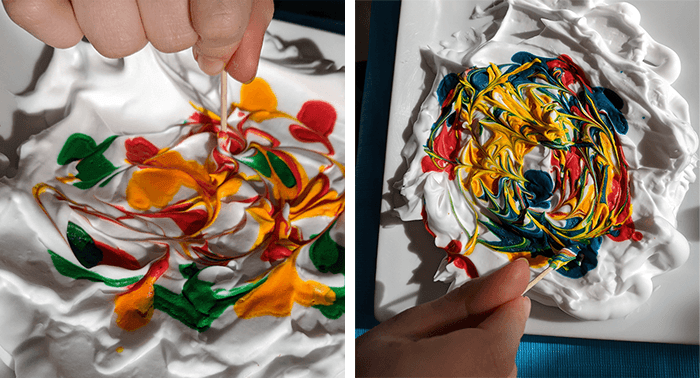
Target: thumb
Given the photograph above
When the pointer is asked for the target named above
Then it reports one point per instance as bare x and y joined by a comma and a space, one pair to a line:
506, 325
220, 25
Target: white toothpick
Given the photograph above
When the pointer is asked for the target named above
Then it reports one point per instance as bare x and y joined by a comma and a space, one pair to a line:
224, 100
538, 278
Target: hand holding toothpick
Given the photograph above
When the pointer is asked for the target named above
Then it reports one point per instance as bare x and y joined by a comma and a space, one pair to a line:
562, 258
223, 35
473, 330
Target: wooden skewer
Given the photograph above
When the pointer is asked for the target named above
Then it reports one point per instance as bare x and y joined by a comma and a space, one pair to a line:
538, 278
224, 99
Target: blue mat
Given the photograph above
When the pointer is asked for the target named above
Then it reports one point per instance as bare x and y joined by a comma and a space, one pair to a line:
538, 356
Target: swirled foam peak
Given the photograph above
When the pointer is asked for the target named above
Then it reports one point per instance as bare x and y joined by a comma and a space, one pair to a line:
143, 237
555, 128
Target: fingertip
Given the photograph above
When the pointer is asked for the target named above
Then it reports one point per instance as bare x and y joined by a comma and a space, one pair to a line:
51, 22
65, 41
513, 277
521, 260
522, 307
519, 273
243, 70
509, 319
520, 314
243, 65
520, 264
116, 51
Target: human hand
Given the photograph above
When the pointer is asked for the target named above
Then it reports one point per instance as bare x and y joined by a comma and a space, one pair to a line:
224, 33
473, 330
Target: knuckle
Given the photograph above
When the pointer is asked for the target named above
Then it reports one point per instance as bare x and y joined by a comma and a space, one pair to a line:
174, 42
65, 41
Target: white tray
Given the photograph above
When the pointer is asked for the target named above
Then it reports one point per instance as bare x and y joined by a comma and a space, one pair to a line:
406, 255
25, 58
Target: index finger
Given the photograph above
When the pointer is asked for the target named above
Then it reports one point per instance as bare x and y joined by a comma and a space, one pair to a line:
243, 66
220, 25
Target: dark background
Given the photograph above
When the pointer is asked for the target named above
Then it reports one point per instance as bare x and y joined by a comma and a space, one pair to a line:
328, 15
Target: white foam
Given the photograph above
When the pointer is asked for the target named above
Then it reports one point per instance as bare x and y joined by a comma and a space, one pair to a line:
615, 52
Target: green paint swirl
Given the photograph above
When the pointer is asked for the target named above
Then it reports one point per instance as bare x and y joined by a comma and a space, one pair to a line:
93, 166
282, 170
258, 163
327, 255
196, 307
73, 271
83, 246
337, 309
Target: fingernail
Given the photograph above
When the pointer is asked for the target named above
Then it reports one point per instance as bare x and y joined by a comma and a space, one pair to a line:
210, 66
523, 259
